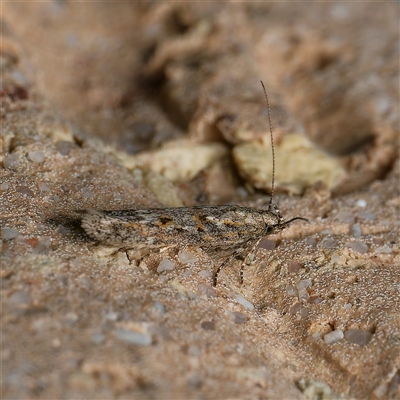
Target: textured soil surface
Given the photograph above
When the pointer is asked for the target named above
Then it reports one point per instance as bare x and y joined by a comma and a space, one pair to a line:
109, 106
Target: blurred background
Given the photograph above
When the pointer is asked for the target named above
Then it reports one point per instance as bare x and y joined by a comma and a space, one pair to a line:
141, 74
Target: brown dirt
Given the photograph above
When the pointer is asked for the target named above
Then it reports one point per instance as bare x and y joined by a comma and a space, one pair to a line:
97, 103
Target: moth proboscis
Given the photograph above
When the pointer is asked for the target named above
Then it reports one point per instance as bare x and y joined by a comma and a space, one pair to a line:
208, 227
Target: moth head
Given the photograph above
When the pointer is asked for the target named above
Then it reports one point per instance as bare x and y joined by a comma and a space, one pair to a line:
277, 224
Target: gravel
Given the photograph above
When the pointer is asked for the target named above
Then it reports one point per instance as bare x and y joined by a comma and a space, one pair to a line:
334, 336
165, 265
131, 337
359, 247
186, 257
9, 233
358, 336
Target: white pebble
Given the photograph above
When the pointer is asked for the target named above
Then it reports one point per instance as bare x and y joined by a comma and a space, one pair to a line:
86, 192
291, 291
358, 336
383, 249
303, 294
4, 186
237, 317
328, 243
345, 216
205, 274
36, 156
165, 265
10, 161
131, 337
208, 290
335, 257
186, 257
44, 187
245, 303
361, 203
355, 230
303, 312
359, 247
159, 307
304, 283
97, 338
20, 298
111, 316
9, 233
334, 336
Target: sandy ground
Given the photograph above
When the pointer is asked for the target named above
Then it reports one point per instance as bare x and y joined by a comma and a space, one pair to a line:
113, 106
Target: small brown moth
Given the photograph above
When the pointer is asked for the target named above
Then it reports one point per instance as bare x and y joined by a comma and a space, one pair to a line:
209, 227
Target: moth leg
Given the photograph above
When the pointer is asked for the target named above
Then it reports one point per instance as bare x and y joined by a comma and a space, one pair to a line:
237, 254
254, 245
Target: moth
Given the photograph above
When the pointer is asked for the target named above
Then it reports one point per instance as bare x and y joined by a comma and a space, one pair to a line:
208, 227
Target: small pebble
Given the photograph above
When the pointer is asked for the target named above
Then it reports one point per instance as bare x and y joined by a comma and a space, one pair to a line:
87, 192
303, 312
208, 290
206, 274
361, 203
186, 257
36, 156
71, 317
267, 244
359, 247
11, 161
294, 267
140, 339
358, 336
63, 230
348, 306
335, 258
328, 243
9, 233
97, 338
245, 303
192, 295
159, 307
314, 337
310, 241
368, 216
165, 265
43, 245
315, 300
345, 216
44, 187
295, 308
303, 294
208, 325
355, 230
4, 186
20, 298
195, 381
291, 291
238, 317
333, 337
304, 283
111, 316
64, 147
25, 190
383, 249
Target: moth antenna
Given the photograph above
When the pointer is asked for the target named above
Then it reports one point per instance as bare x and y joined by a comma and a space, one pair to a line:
272, 147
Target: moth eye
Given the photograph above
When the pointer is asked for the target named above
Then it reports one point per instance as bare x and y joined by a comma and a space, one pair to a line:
270, 229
